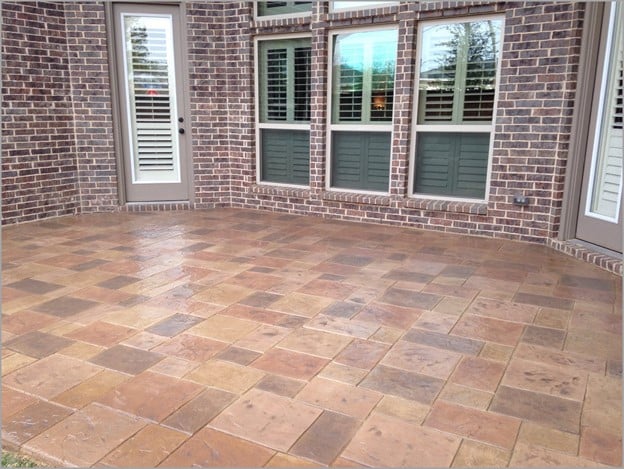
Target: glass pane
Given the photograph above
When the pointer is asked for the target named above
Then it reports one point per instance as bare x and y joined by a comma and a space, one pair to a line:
458, 72
283, 8
451, 164
285, 80
363, 77
148, 50
607, 183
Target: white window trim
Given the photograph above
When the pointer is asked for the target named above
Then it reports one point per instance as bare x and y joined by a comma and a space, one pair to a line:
464, 128
268, 18
260, 125
599, 128
372, 4
353, 127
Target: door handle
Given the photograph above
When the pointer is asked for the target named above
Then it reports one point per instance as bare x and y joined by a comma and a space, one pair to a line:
181, 130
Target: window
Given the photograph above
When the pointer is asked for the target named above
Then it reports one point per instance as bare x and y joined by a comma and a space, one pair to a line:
289, 7
455, 107
363, 68
284, 110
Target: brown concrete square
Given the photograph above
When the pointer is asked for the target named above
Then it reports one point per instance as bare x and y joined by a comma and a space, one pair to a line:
199, 411
289, 364
102, 333
190, 347
32, 421
85, 437
326, 437
140, 450
406, 384
173, 325
38, 344
150, 395
25, 321
212, 448
126, 359
65, 306
36, 287
551, 411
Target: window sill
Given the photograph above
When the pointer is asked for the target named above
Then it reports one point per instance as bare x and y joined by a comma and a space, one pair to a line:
475, 208
364, 199
283, 191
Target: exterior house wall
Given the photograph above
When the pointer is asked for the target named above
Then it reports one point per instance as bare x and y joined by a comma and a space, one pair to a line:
541, 46
74, 137
39, 163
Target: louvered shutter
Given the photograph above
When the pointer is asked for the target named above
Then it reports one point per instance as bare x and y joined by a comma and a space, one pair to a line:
286, 156
452, 164
285, 87
361, 160
151, 96
608, 178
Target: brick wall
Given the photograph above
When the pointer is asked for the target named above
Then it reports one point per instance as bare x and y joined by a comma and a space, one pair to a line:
208, 80
39, 167
541, 46
536, 92
91, 96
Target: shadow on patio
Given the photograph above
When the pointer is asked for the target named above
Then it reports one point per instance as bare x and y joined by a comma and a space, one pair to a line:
243, 338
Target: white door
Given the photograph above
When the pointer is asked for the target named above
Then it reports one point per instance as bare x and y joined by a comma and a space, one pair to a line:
600, 213
152, 103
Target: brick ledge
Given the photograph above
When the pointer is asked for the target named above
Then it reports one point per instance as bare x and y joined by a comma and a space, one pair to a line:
350, 197
586, 253
267, 189
475, 208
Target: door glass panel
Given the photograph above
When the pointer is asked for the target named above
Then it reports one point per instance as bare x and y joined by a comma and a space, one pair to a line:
606, 189
151, 98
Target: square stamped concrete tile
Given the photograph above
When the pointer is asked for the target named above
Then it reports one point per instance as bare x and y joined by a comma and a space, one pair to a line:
126, 359
32, 421
212, 448
38, 344
196, 413
65, 306
385, 441
173, 325
150, 395
267, 419
85, 437
401, 383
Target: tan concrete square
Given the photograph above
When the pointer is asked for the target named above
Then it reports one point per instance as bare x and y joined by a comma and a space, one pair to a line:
224, 328
267, 419
85, 437
225, 375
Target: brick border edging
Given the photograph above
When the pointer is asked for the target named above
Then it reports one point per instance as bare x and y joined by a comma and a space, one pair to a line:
585, 253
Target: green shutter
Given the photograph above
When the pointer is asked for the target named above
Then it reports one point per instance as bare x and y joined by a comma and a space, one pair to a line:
361, 160
286, 156
451, 164
285, 80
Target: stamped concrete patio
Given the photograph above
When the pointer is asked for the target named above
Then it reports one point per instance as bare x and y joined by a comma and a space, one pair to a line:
243, 338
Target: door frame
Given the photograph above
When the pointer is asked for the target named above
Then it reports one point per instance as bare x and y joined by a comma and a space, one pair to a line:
581, 128
116, 97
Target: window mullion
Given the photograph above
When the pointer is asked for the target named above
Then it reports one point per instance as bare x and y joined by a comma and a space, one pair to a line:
367, 83
461, 69
290, 83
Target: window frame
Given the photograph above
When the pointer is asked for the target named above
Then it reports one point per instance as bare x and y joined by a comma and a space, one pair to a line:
355, 127
372, 4
278, 16
273, 125
452, 128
